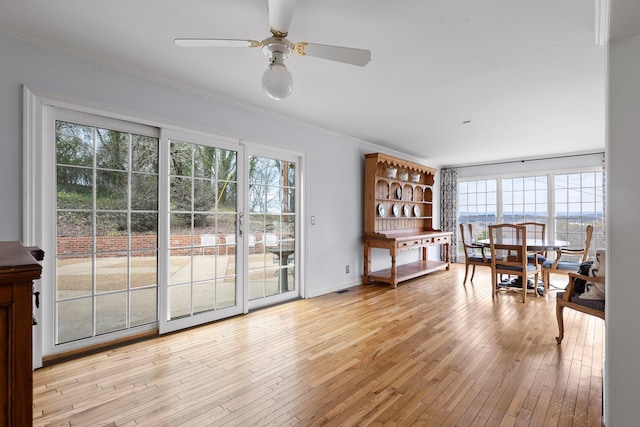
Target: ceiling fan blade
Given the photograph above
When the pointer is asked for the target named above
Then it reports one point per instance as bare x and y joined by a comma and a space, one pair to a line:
216, 43
280, 14
348, 55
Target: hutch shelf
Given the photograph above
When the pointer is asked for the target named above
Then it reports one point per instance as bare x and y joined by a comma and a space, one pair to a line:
398, 216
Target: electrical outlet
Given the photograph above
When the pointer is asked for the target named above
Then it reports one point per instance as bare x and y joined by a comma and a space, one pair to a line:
346, 269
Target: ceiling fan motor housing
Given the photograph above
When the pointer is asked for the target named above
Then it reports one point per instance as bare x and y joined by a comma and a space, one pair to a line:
276, 47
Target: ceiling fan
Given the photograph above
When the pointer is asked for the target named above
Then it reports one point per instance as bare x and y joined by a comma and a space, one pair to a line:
277, 81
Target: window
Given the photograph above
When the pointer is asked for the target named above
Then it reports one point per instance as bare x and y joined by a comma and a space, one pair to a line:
566, 202
579, 201
477, 204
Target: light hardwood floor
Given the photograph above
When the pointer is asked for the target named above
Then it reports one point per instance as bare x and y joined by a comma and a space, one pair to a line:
431, 352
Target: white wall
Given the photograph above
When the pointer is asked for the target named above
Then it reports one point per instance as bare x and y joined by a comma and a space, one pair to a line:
623, 298
334, 162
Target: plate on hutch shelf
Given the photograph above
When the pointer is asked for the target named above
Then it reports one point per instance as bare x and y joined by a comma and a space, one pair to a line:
381, 210
399, 193
396, 210
406, 210
416, 210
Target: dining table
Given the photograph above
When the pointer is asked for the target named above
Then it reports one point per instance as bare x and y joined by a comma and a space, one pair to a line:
533, 245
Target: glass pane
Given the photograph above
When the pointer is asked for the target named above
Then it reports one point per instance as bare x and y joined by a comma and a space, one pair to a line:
179, 266
111, 232
74, 277
144, 154
204, 223
179, 301
144, 192
144, 230
203, 296
227, 196
204, 164
257, 202
204, 267
143, 306
290, 172
74, 188
180, 230
225, 293
111, 272
181, 159
111, 190
111, 312
144, 269
75, 231
74, 144
74, 320
204, 195
112, 149
227, 165
180, 199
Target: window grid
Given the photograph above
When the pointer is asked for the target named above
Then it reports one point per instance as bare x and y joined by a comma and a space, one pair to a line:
477, 205
579, 202
574, 200
524, 199
106, 231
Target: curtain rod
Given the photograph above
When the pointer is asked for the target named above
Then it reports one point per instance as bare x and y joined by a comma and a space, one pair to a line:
525, 160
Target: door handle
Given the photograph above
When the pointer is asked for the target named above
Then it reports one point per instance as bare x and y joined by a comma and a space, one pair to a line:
240, 223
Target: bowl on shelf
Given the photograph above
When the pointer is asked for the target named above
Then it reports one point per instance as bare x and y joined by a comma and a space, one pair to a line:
404, 176
415, 177
391, 172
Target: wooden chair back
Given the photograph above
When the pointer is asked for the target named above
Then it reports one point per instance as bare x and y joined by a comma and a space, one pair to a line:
508, 243
560, 265
474, 254
535, 230
466, 234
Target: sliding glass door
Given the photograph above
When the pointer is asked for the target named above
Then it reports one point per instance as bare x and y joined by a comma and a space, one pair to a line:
273, 248
205, 246
148, 228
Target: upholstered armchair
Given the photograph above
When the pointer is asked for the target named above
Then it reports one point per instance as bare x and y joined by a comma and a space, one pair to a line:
584, 293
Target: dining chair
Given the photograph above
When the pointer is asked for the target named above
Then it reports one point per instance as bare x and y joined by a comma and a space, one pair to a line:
508, 243
536, 230
474, 254
565, 266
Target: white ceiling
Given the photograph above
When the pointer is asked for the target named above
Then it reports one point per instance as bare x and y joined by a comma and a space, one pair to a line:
527, 74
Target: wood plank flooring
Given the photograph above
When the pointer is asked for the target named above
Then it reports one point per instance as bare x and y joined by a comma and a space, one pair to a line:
431, 352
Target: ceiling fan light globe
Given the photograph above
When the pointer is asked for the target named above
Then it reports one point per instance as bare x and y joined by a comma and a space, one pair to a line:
277, 81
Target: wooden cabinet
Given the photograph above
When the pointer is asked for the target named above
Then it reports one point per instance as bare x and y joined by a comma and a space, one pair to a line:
18, 270
398, 215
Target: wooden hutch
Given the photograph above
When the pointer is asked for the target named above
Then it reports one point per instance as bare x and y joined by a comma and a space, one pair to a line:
18, 270
398, 216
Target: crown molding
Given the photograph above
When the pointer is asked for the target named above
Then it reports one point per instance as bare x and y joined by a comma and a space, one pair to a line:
603, 20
